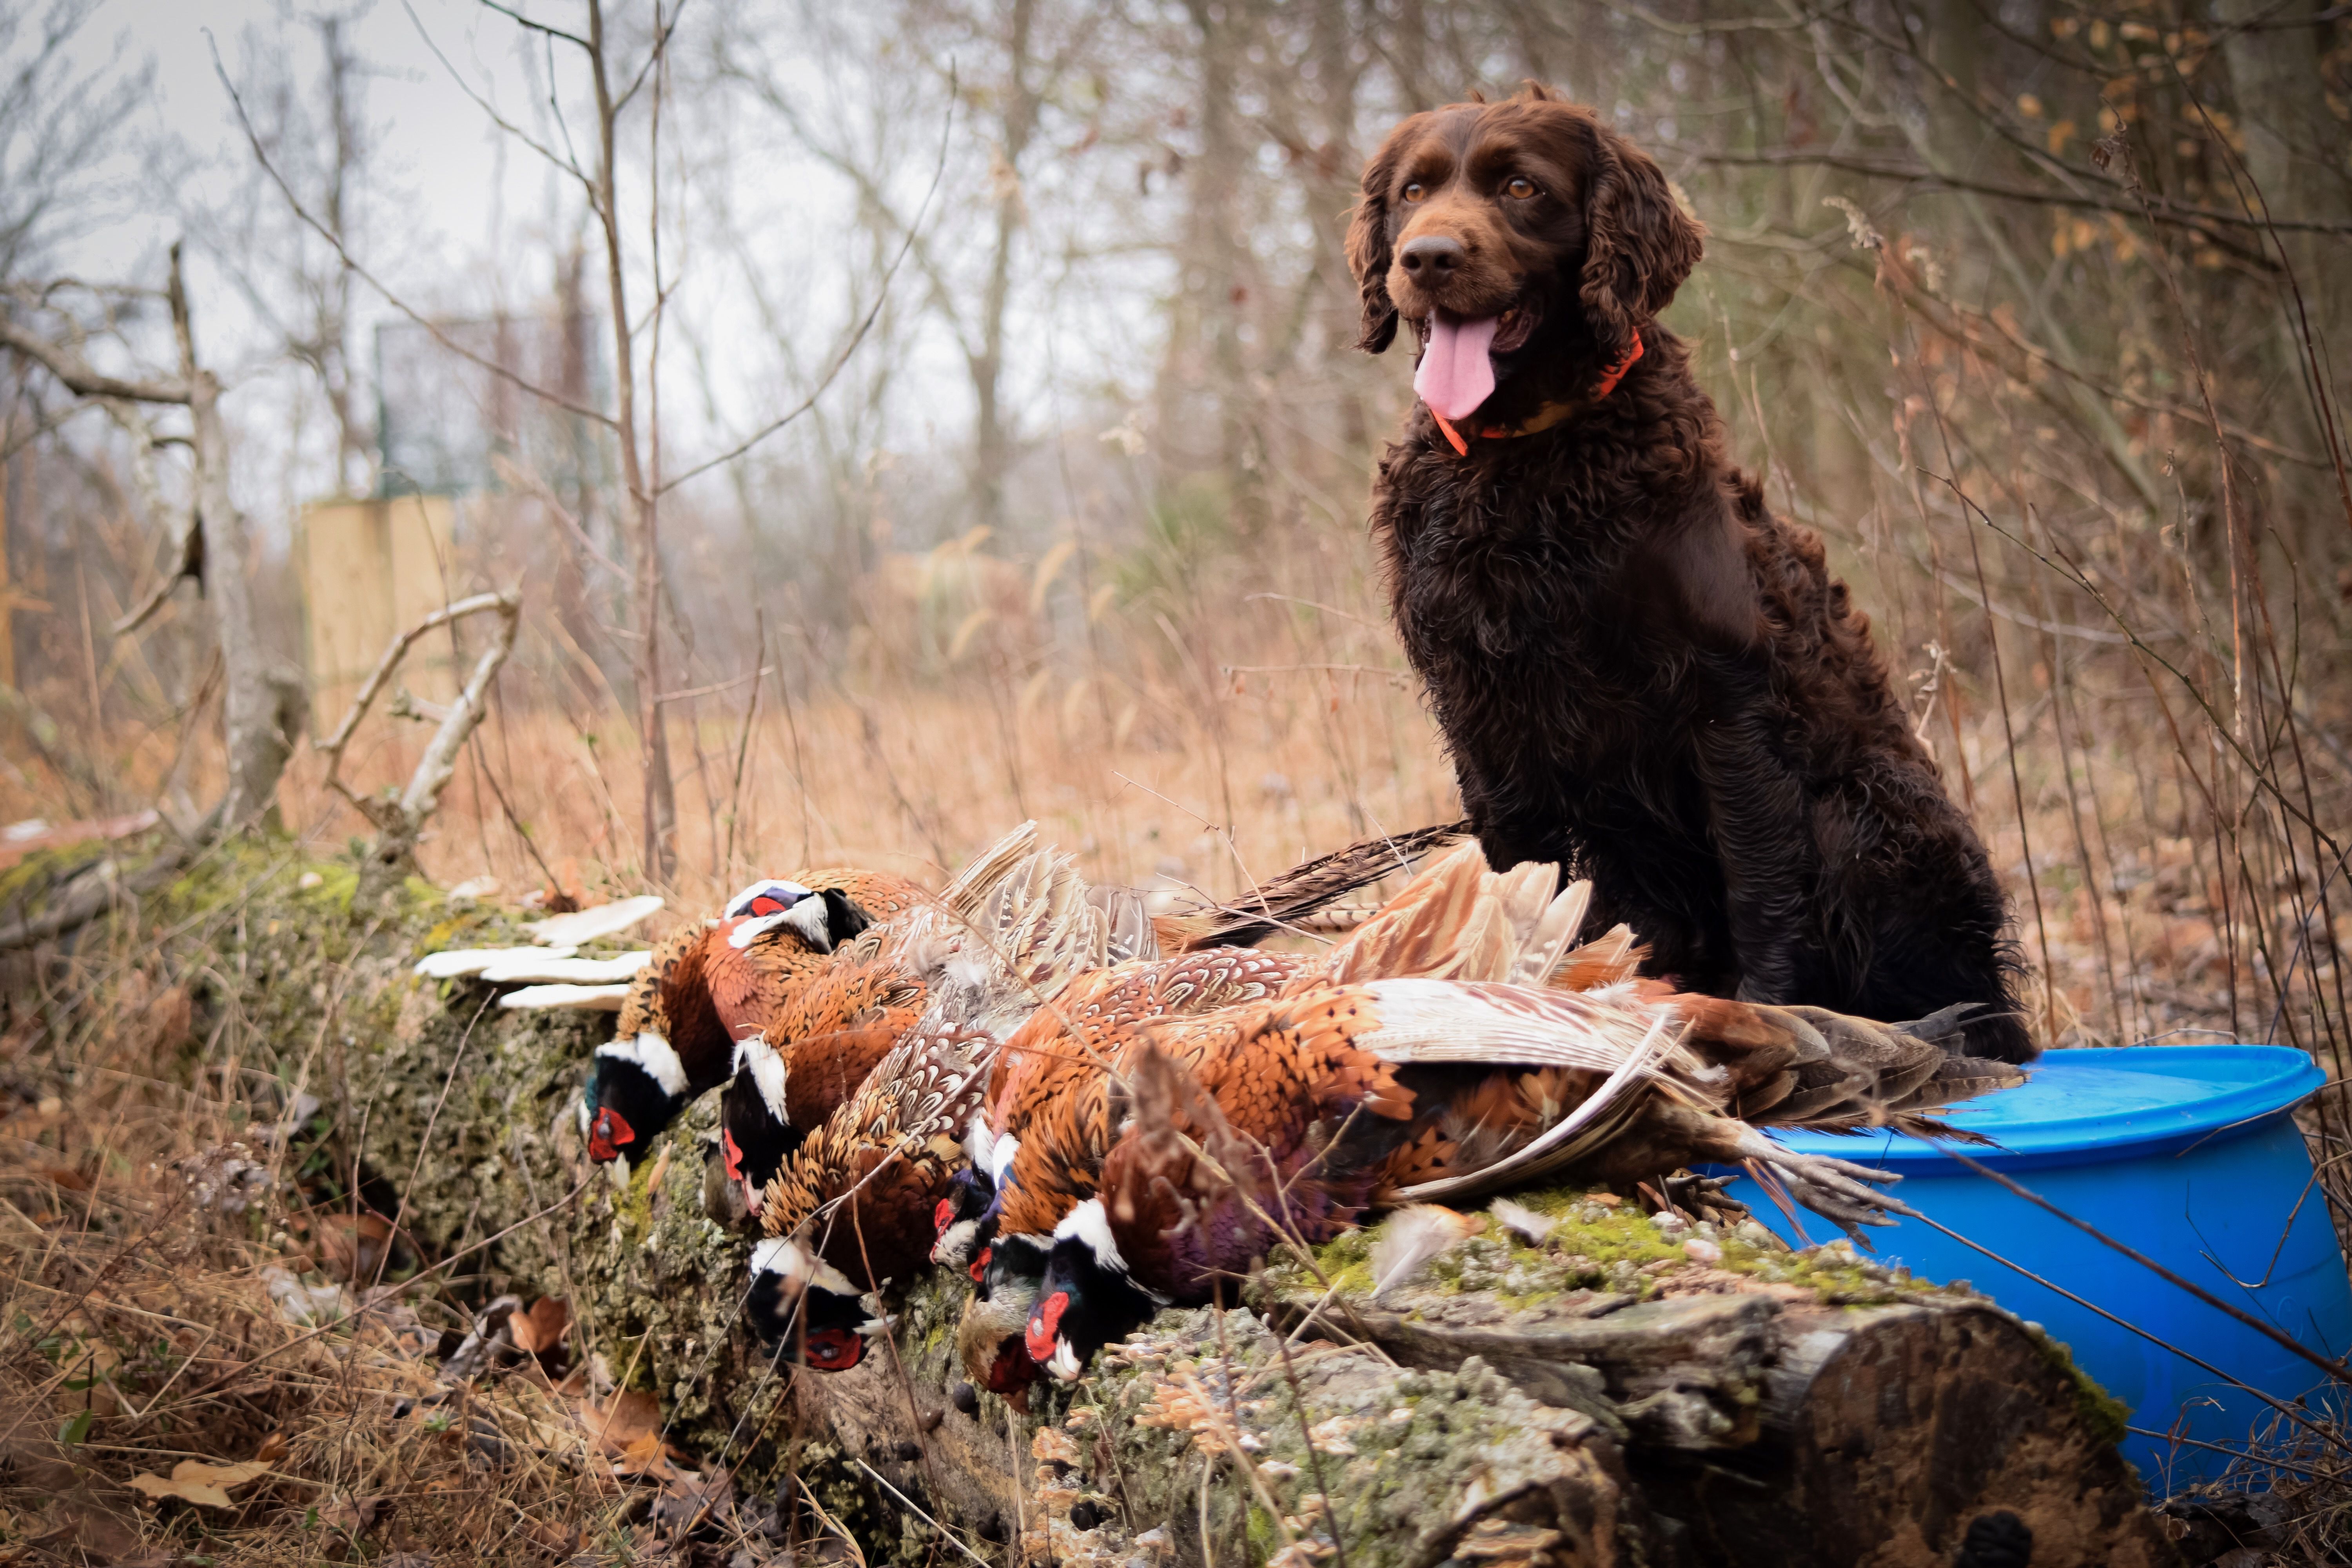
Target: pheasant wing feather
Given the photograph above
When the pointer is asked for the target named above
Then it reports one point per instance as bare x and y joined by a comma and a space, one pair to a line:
1427, 1020
972, 885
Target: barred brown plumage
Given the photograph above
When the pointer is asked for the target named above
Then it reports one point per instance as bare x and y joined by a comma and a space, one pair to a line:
1035, 926
1288, 1119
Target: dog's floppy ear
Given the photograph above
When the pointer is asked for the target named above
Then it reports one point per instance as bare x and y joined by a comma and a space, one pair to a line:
1639, 245
1368, 250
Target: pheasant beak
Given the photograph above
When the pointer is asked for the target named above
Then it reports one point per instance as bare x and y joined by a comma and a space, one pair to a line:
1043, 1335
608, 1134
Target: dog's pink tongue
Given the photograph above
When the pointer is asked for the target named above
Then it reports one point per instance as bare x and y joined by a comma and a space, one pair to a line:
1456, 375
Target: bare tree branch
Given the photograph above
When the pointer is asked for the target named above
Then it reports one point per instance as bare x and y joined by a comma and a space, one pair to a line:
261, 155
865, 325
572, 38
78, 376
399, 818
2161, 208
564, 162
187, 549
653, 57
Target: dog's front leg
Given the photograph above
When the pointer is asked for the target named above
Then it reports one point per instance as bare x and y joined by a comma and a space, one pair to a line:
1757, 815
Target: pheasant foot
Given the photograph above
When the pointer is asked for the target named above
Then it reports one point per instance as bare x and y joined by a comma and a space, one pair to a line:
1838, 1190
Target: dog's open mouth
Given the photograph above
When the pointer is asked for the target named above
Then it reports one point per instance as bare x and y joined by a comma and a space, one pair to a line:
1457, 363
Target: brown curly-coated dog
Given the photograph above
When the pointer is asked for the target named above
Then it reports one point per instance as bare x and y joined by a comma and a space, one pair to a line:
1640, 672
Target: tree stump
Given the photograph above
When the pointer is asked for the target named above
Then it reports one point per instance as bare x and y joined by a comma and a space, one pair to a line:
1777, 1407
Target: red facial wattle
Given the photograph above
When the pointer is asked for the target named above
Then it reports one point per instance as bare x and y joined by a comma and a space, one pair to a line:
1045, 1326
980, 1264
608, 1134
767, 904
734, 1155
834, 1350
943, 1216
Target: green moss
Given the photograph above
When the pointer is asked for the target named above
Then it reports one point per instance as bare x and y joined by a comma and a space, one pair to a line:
1595, 1246
24, 886
633, 1211
2103, 1412
1345, 1262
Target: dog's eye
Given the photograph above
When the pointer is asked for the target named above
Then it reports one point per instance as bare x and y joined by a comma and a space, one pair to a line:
1414, 192
1521, 187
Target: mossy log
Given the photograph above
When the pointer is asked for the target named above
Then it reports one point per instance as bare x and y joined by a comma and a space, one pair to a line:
1593, 1397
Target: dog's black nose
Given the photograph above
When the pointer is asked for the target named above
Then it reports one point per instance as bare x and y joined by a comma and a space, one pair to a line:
1432, 258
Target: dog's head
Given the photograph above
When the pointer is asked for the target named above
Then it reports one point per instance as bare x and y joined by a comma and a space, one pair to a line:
1526, 229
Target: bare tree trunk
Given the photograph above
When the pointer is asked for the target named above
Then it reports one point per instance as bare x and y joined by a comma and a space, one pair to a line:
992, 440
660, 816
263, 702
335, 306
262, 707
2293, 151
1204, 345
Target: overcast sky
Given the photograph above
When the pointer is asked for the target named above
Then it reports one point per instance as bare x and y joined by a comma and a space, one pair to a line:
457, 215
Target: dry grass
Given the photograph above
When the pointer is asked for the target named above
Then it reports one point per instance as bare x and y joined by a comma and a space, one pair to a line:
199, 1278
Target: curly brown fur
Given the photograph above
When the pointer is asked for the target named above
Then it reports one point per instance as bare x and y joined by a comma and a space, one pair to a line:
1641, 671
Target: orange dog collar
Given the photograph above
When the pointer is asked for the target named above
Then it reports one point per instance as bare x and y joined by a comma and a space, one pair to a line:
1552, 413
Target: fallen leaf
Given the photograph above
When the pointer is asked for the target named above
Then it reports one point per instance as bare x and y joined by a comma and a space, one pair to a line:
623, 1419
541, 1328
195, 1481
352, 1516
348, 1246
272, 1449
684, 1500
649, 1455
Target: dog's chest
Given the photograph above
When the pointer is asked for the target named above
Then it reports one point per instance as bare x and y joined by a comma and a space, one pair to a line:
1515, 585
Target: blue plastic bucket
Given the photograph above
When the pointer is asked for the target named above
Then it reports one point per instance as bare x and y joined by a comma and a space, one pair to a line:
2184, 1152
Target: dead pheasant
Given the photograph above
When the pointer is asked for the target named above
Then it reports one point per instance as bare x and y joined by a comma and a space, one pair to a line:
810, 1054
1478, 1076
1456, 919
1289, 1120
1053, 1067
709, 984
845, 1214
791, 1075
1054, 1109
